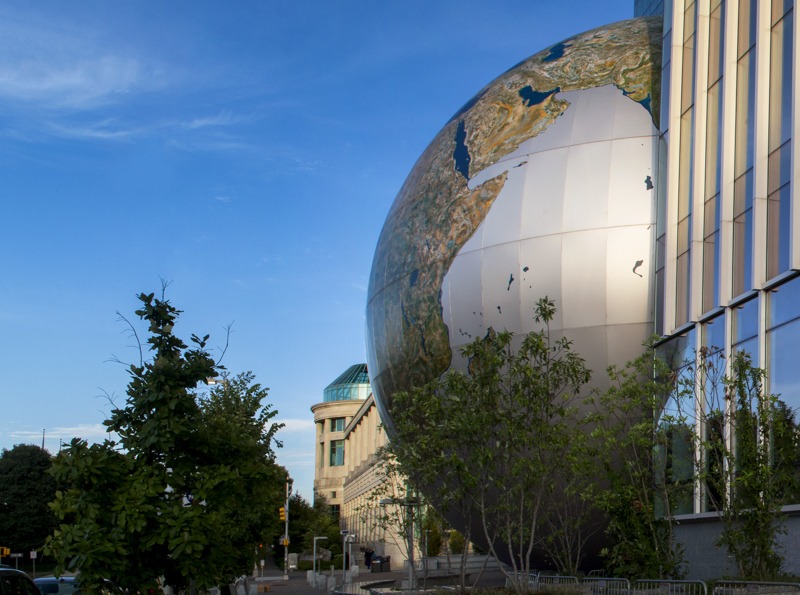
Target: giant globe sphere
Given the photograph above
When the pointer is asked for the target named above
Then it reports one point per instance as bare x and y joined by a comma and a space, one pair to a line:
543, 184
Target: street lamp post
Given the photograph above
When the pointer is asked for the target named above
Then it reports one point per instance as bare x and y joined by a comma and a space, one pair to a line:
314, 566
344, 533
350, 539
446, 535
427, 537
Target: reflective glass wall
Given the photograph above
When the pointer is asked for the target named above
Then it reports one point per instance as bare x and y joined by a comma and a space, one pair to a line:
727, 248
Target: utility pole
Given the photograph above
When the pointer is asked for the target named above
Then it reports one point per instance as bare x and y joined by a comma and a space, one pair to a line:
286, 534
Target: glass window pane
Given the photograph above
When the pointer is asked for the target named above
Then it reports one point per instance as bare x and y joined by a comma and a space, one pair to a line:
674, 459
337, 453
784, 371
747, 25
685, 173
780, 8
745, 94
710, 267
745, 321
659, 316
713, 140
678, 350
687, 68
715, 37
714, 334
682, 290
778, 213
780, 83
784, 379
742, 233
784, 303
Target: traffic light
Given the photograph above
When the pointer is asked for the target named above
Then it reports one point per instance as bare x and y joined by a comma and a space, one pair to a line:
5, 551
282, 513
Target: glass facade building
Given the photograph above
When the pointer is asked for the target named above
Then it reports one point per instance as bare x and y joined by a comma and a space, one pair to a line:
728, 232
648, 8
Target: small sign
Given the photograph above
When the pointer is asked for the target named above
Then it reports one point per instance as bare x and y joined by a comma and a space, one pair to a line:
33, 554
16, 555
262, 563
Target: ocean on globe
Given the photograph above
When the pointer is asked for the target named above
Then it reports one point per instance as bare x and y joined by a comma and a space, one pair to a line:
543, 184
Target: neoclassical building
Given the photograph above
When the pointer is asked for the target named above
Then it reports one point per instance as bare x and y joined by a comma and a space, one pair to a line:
366, 484
341, 399
348, 438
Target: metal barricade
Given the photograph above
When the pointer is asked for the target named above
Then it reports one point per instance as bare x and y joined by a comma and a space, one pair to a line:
755, 588
555, 582
659, 587
516, 578
603, 585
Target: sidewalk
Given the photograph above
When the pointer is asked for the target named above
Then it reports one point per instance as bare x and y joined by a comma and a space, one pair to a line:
298, 585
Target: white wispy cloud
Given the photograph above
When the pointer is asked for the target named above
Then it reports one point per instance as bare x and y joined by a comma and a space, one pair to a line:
55, 63
222, 119
208, 144
104, 130
77, 85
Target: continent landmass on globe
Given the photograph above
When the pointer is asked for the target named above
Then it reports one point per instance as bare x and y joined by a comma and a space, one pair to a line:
436, 212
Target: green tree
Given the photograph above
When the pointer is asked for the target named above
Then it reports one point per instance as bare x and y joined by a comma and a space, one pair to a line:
188, 491
322, 524
432, 524
493, 442
456, 542
237, 433
26, 488
642, 540
746, 455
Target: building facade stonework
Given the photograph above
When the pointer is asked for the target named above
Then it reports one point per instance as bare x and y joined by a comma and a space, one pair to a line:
341, 400
349, 436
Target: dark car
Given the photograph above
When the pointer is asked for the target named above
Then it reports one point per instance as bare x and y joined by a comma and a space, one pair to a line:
66, 585
16, 582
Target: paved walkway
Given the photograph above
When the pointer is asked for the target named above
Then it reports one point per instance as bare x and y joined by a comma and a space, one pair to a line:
272, 579
298, 585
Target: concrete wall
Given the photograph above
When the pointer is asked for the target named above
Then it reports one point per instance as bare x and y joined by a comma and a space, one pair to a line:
706, 561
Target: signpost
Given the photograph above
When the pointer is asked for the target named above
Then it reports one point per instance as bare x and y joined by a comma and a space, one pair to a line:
316, 539
16, 557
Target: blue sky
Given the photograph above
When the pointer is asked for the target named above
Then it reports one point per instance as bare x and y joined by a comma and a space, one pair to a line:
247, 152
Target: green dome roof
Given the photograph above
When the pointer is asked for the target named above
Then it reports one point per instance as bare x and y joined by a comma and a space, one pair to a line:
352, 384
